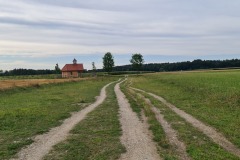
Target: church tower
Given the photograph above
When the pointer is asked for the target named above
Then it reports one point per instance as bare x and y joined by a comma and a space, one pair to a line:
74, 61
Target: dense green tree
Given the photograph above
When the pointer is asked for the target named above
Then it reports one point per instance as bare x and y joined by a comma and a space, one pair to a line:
108, 62
93, 66
137, 61
94, 69
57, 69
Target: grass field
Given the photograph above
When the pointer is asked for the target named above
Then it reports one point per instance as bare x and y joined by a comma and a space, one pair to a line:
96, 137
198, 145
212, 97
25, 112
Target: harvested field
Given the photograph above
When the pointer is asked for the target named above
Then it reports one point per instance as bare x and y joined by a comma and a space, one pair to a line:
6, 84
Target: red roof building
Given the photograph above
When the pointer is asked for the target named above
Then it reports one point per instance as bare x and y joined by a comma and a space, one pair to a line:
72, 70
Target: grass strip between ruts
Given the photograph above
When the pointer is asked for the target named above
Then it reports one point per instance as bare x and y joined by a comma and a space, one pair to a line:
96, 137
165, 150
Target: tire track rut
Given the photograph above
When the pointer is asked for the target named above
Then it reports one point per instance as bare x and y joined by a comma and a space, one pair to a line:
171, 134
136, 137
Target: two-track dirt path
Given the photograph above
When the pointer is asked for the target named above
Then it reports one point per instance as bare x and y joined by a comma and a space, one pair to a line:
171, 134
44, 143
207, 130
136, 137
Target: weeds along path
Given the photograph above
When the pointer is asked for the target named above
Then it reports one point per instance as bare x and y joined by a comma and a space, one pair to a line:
170, 132
44, 143
136, 136
207, 130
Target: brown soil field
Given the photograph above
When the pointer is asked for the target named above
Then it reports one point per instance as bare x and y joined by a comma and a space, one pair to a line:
7, 84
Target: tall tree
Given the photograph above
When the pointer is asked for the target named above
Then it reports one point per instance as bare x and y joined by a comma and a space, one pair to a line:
108, 62
94, 69
93, 66
137, 61
57, 69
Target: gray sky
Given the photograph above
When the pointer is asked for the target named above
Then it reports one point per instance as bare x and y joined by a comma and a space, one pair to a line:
40, 33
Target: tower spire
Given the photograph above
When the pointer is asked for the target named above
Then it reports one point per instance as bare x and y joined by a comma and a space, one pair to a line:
74, 61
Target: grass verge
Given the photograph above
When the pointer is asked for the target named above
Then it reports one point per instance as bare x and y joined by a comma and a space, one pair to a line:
96, 137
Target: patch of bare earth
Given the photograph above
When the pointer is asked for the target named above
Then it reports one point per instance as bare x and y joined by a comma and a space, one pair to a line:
44, 143
170, 132
135, 137
207, 130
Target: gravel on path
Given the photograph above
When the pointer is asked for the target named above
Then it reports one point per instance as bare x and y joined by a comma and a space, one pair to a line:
171, 134
135, 135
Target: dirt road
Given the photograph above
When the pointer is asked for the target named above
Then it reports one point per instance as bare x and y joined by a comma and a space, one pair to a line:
135, 137
207, 130
44, 143
169, 131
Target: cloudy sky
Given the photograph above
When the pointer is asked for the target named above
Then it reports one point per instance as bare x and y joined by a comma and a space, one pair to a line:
40, 33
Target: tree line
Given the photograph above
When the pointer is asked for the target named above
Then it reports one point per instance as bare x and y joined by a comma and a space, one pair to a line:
108, 62
137, 64
20, 71
183, 66
188, 65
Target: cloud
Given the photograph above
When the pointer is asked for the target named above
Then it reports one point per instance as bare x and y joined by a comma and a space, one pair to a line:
42, 28
24, 64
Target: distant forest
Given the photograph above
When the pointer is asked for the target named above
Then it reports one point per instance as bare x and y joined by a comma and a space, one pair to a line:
17, 72
156, 67
178, 66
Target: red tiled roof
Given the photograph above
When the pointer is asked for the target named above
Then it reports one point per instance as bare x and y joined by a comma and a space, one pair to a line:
73, 67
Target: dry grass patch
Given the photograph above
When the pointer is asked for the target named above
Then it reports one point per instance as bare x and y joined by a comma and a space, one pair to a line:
6, 84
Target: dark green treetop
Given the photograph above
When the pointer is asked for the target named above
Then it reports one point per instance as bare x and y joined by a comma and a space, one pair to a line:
108, 62
137, 61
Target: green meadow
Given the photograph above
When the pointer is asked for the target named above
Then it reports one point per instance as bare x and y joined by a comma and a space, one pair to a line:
26, 112
211, 96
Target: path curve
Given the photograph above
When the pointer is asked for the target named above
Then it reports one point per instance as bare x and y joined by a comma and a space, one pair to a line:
207, 130
135, 137
44, 143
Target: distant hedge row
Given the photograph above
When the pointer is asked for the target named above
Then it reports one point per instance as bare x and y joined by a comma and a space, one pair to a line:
129, 72
17, 72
